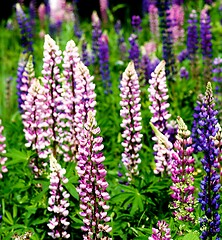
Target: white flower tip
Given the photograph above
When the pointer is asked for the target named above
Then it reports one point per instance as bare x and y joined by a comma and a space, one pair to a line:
160, 67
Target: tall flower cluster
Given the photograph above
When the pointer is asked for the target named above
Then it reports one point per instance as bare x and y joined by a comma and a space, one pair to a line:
92, 182
131, 114
217, 74
136, 23
206, 43
96, 34
162, 232
158, 97
182, 174
210, 186
104, 62
58, 201
85, 54
36, 128
134, 52
25, 29
154, 20
103, 9
3, 159
176, 15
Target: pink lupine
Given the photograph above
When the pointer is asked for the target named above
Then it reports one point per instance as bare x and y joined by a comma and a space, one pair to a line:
131, 123
182, 175
92, 182
103, 10
154, 20
58, 202
36, 126
162, 232
176, 15
52, 82
3, 159
42, 14
57, 11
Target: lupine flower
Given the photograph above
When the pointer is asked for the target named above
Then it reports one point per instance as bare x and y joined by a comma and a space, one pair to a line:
182, 175
25, 29
209, 195
176, 15
85, 54
77, 31
150, 47
52, 83
67, 139
217, 74
178, 2
58, 201
36, 127
27, 78
192, 36
103, 10
145, 67
96, 34
3, 159
32, 13
184, 73
92, 182
162, 232
42, 18
206, 43
158, 97
182, 55
154, 20
136, 24
104, 62
134, 52
21, 68
131, 123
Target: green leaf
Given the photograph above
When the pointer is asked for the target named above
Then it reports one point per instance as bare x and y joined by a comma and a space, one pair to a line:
72, 190
8, 218
191, 236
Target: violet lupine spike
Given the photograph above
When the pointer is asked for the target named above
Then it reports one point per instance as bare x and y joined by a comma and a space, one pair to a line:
131, 123
206, 43
85, 54
58, 202
184, 73
183, 175
21, 68
3, 159
210, 185
182, 55
96, 34
85, 95
36, 127
217, 75
28, 77
104, 63
67, 140
52, 84
92, 182
136, 24
134, 51
25, 29
162, 232
154, 21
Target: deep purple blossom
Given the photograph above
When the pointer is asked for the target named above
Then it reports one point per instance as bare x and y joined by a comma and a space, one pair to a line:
184, 73
209, 195
58, 202
134, 52
104, 63
182, 55
136, 24
3, 159
85, 54
182, 175
162, 232
92, 182
131, 123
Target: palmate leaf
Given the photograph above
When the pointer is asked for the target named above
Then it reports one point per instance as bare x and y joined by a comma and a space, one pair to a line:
191, 236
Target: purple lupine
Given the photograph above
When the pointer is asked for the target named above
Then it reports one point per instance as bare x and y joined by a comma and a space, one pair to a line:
192, 37
183, 175
145, 67
52, 83
178, 2
21, 68
182, 55
25, 29
58, 202
209, 195
36, 127
162, 232
134, 52
103, 10
136, 24
158, 97
184, 73
104, 63
77, 31
176, 15
217, 74
121, 41
67, 140
96, 34
131, 123
85, 54
92, 182
32, 13
154, 21
206, 43
26, 80
3, 159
